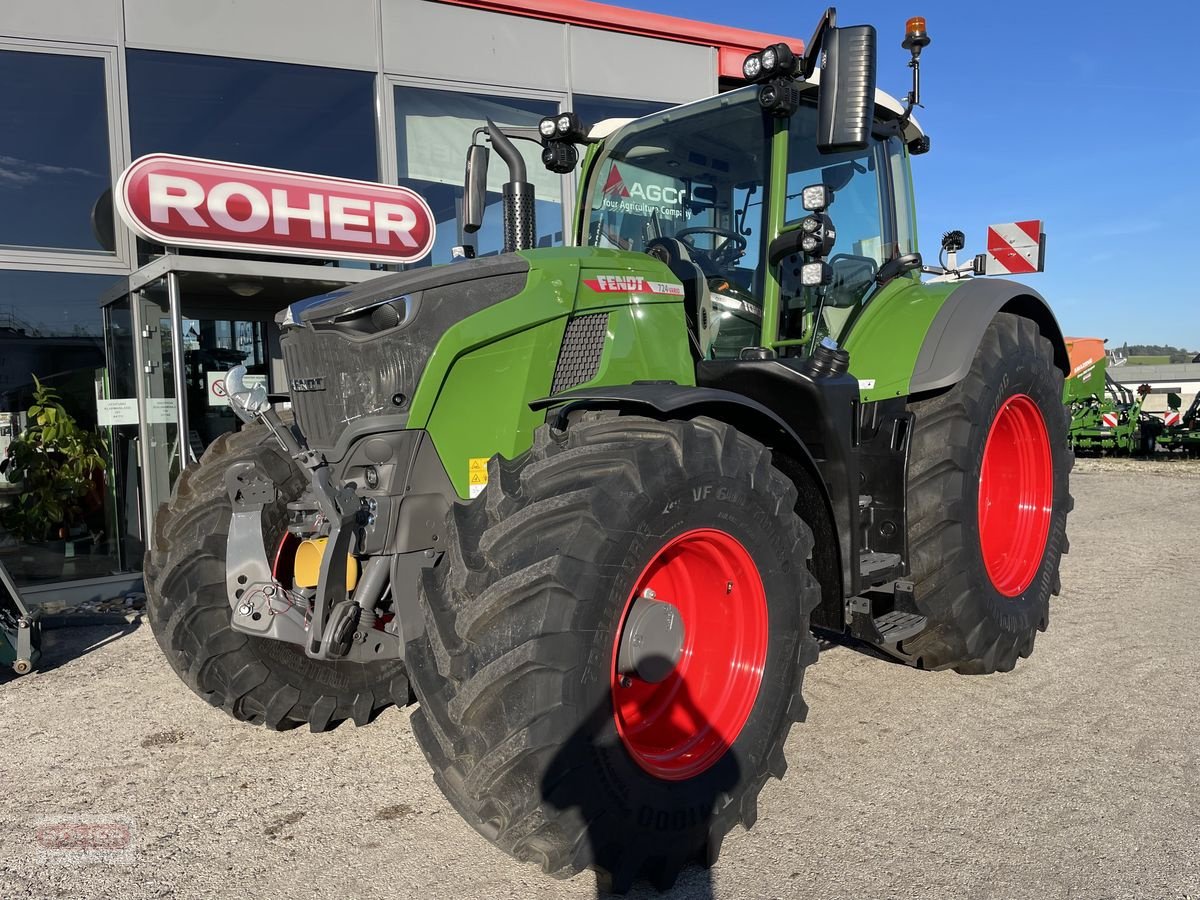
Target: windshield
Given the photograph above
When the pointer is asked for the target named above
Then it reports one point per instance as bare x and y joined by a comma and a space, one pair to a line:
696, 172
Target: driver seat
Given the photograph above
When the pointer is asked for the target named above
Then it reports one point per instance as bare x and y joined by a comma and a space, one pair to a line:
697, 299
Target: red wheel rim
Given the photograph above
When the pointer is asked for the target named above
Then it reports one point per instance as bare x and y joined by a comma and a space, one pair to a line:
1016, 495
679, 727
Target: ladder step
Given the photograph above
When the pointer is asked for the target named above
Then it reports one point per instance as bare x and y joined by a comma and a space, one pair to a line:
870, 564
898, 626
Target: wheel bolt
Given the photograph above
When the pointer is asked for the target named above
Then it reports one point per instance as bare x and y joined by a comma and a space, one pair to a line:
626, 681
245, 609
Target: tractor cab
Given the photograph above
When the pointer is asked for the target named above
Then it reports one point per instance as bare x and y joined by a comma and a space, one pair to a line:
693, 187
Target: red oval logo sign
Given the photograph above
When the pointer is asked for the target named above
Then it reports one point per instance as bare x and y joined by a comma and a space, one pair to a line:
182, 201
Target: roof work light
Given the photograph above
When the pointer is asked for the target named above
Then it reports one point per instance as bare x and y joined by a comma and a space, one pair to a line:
562, 127
774, 61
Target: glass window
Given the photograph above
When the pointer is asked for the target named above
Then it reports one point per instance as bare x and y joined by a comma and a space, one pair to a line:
696, 175
433, 131
862, 215
54, 153
55, 524
306, 118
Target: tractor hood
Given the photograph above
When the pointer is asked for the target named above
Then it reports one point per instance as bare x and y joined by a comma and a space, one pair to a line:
360, 352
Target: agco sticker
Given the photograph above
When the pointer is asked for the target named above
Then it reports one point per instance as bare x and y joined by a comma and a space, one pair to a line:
632, 284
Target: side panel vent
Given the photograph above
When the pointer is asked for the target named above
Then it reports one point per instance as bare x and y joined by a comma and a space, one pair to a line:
582, 347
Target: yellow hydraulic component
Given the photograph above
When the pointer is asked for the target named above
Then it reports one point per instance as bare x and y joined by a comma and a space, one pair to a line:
308, 564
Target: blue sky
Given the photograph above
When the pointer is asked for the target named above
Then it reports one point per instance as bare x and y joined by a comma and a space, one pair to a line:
1085, 115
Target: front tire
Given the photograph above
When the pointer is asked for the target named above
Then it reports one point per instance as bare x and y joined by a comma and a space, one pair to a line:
254, 679
988, 498
534, 735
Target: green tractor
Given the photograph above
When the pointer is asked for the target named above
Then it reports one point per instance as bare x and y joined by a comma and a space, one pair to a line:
588, 503
1106, 416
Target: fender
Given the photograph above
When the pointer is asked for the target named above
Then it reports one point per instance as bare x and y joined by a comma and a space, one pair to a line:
668, 400
954, 334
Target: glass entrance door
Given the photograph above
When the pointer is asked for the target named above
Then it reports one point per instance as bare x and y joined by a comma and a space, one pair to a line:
158, 428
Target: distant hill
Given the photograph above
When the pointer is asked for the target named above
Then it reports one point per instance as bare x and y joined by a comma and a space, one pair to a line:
1155, 354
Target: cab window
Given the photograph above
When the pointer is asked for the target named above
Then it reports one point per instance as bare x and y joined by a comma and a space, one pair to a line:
863, 217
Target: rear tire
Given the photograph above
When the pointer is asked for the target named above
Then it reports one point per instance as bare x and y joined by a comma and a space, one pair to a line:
985, 583
519, 697
254, 679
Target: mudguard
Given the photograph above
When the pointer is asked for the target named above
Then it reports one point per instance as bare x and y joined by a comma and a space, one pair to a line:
949, 347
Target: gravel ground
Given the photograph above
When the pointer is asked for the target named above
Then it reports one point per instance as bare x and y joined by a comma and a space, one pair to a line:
1077, 775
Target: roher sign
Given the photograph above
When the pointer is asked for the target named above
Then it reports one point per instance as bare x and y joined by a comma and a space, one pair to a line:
187, 202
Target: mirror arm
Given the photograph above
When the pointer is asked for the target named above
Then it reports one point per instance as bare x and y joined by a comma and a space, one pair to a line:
808, 62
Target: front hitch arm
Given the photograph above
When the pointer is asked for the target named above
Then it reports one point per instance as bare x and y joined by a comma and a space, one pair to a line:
330, 632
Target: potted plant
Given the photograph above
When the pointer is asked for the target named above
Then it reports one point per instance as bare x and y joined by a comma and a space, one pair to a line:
56, 464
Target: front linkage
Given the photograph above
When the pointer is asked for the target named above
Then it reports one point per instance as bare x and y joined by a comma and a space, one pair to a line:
324, 620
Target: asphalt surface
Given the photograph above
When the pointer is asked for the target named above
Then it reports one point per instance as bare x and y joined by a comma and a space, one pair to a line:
1076, 776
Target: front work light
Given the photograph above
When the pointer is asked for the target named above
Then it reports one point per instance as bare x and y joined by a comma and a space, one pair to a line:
816, 274
816, 198
818, 235
775, 61
563, 127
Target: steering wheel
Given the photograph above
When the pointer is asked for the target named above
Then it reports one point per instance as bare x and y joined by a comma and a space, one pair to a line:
729, 251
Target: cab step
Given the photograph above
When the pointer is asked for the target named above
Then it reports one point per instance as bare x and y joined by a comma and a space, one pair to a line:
877, 568
896, 626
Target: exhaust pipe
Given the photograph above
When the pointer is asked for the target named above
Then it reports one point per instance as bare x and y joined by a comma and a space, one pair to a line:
520, 227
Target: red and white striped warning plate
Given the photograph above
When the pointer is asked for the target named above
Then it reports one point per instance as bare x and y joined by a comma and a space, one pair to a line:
1015, 248
1109, 420
1171, 418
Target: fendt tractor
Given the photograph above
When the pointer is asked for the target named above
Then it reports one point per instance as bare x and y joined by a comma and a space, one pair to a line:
1106, 416
586, 503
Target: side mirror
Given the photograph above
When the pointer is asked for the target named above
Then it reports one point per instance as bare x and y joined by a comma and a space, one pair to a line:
475, 188
846, 97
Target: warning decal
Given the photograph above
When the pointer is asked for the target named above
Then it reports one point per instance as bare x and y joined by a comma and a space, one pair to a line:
1015, 248
477, 475
632, 284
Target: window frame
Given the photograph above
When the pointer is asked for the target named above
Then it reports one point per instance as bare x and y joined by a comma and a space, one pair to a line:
389, 150
120, 260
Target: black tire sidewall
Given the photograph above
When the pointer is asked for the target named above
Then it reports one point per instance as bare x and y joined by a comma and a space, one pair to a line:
1032, 374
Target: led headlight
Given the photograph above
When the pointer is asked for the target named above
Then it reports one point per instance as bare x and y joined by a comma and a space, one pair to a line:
815, 274
752, 66
547, 127
770, 59
564, 124
817, 234
816, 198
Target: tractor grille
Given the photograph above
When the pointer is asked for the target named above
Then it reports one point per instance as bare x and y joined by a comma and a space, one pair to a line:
579, 356
358, 379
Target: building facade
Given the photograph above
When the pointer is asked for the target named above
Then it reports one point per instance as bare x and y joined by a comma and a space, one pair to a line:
131, 338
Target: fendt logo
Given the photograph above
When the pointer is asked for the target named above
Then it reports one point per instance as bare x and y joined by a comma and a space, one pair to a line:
181, 201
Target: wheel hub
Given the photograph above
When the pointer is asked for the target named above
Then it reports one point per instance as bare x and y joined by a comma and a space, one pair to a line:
653, 639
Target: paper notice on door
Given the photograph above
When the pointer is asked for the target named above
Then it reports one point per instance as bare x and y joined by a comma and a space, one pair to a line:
160, 409
116, 412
